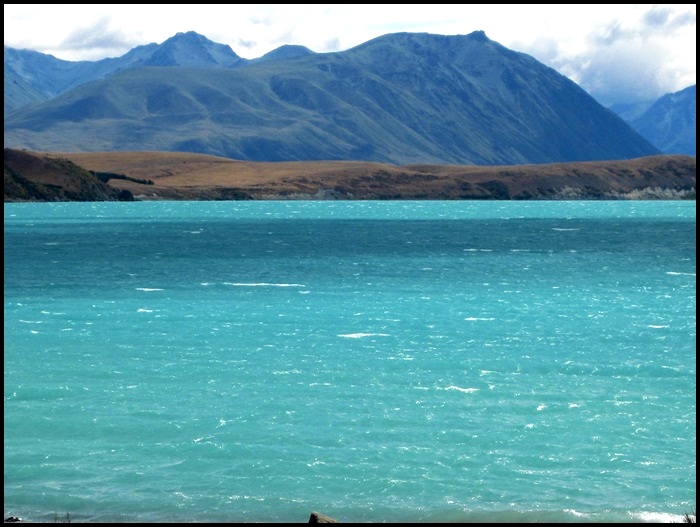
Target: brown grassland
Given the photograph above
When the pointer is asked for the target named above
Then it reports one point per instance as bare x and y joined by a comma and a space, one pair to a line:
177, 175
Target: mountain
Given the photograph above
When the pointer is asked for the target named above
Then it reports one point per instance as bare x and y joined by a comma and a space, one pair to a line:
191, 50
49, 77
669, 123
400, 98
284, 52
631, 110
19, 92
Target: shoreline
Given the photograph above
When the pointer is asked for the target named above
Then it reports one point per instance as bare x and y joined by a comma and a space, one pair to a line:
342, 516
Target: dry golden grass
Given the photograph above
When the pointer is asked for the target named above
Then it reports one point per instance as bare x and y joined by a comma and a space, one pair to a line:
178, 175
180, 169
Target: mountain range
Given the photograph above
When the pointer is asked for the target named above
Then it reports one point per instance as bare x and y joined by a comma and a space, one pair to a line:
401, 98
668, 123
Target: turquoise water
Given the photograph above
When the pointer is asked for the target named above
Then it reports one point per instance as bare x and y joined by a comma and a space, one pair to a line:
373, 361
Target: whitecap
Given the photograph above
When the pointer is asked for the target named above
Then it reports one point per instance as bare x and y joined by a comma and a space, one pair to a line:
463, 390
362, 335
148, 289
541, 407
472, 319
143, 310
658, 517
575, 513
674, 273
261, 284
654, 326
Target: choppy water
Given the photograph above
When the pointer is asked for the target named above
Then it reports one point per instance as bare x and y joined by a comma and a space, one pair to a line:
373, 361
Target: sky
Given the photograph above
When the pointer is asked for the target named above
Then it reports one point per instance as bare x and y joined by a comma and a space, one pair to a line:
618, 53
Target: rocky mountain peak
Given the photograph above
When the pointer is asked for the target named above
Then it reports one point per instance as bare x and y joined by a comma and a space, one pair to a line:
190, 49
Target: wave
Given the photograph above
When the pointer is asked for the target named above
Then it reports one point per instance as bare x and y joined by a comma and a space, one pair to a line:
463, 390
261, 284
362, 335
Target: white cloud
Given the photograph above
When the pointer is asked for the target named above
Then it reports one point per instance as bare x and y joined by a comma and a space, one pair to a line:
100, 38
612, 51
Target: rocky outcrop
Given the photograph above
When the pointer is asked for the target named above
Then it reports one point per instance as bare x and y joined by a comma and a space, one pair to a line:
317, 517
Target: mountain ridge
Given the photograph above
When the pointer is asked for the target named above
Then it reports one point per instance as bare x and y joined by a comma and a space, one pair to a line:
399, 98
670, 122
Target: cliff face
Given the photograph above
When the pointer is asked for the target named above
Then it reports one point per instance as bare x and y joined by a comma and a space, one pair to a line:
30, 177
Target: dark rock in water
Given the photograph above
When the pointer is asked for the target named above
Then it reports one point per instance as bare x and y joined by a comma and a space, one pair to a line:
12, 519
317, 517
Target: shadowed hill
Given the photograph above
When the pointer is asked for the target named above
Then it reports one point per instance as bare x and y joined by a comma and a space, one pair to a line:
29, 177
